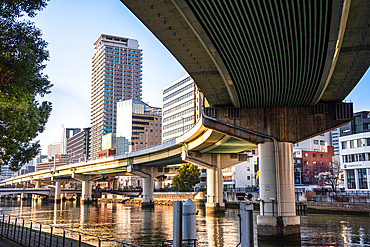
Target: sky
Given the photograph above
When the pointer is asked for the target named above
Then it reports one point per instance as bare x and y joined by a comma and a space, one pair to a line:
72, 26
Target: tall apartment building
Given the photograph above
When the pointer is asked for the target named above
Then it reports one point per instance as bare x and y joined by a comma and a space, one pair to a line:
355, 152
181, 107
138, 126
116, 76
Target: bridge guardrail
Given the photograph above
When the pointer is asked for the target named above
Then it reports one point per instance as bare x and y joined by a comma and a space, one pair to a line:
33, 233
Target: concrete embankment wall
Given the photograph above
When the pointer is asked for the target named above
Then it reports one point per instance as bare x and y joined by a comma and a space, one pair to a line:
339, 207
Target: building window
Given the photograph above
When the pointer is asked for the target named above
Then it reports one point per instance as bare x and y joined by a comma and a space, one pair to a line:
321, 163
321, 155
248, 168
360, 142
352, 144
305, 154
306, 162
351, 179
344, 145
313, 155
248, 177
298, 161
358, 124
316, 142
362, 179
322, 142
314, 163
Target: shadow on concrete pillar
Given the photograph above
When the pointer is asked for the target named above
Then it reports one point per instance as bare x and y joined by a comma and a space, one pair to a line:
277, 219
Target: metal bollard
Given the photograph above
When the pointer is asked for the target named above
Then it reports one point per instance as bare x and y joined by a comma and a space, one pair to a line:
177, 223
246, 229
189, 211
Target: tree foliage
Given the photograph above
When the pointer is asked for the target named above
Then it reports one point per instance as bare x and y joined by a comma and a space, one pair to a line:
22, 58
187, 177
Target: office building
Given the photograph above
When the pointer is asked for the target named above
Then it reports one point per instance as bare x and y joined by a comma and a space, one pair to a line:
6, 173
181, 107
54, 149
335, 133
138, 126
66, 134
78, 146
116, 76
355, 152
49, 164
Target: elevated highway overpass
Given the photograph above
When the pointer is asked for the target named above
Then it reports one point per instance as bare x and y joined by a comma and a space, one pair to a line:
200, 145
274, 73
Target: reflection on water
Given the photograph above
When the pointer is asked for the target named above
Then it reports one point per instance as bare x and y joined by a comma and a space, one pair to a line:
146, 227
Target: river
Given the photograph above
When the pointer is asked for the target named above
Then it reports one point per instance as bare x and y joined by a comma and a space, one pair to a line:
146, 227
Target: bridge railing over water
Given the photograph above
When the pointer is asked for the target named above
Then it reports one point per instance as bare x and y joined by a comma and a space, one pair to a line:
33, 233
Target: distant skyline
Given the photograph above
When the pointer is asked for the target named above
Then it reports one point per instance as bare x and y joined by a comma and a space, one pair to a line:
71, 28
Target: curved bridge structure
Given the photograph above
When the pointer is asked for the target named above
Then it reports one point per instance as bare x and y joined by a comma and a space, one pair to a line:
256, 54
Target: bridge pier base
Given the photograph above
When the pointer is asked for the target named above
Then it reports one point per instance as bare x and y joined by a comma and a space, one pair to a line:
148, 183
277, 219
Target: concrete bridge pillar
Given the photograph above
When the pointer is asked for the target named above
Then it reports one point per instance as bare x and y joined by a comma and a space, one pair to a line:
37, 186
86, 190
148, 188
215, 197
277, 219
86, 180
58, 188
86, 187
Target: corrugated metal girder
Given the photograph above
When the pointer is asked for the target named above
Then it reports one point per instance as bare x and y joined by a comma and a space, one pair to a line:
275, 51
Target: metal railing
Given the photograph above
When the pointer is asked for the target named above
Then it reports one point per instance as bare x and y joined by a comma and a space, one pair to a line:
33, 233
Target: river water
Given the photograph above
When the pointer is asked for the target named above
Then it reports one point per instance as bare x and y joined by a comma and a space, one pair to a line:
146, 227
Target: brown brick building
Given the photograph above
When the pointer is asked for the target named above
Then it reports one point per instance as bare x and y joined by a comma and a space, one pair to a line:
308, 164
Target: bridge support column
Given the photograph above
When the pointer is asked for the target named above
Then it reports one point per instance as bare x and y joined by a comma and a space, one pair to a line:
148, 188
86, 180
215, 203
277, 219
37, 186
58, 188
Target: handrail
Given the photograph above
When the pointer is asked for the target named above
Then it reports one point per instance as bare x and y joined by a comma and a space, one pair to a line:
62, 228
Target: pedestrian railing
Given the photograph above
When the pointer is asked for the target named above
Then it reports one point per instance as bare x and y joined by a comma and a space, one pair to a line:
33, 233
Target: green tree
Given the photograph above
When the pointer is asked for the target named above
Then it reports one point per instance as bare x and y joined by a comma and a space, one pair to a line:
187, 177
22, 58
